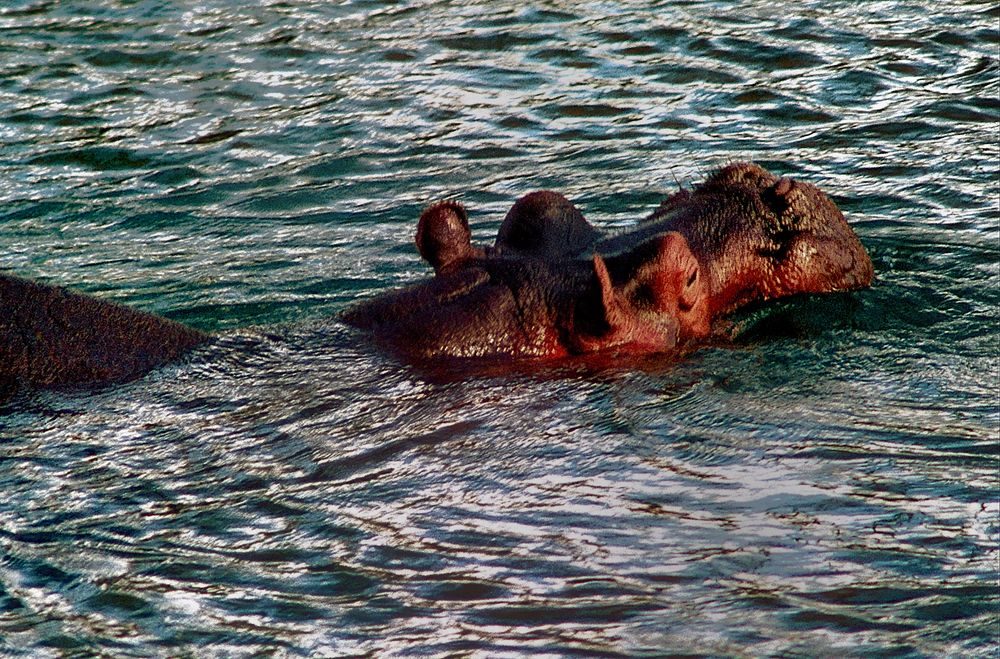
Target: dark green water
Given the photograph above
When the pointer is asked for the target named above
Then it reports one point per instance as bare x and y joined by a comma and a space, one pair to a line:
827, 486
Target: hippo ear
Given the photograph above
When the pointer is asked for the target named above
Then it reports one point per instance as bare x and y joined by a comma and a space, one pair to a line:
610, 302
637, 313
443, 236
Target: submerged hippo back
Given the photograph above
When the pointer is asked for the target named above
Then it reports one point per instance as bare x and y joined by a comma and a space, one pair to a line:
50, 336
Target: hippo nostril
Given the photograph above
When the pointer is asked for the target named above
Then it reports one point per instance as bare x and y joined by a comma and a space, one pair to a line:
777, 195
693, 278
783, 186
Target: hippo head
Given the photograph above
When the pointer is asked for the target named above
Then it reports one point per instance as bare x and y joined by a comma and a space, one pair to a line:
552, 286
759, 237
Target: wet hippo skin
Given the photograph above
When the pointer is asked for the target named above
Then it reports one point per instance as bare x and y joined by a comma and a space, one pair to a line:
51, 337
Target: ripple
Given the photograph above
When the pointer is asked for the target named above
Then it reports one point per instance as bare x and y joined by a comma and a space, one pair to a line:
99, 158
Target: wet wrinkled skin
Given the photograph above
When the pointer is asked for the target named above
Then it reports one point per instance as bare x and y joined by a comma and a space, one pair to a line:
52, 337
746, 235
759, 237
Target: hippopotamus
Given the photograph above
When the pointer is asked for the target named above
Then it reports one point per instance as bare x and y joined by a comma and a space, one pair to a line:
552, 285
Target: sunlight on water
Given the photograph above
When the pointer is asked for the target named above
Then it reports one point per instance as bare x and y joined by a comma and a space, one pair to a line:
826, 483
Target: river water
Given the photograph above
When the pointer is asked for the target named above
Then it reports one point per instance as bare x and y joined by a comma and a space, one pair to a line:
823, 485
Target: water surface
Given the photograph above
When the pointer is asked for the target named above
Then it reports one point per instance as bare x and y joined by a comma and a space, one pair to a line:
825, 485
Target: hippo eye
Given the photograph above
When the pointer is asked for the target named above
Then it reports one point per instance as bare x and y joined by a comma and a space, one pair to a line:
693, 278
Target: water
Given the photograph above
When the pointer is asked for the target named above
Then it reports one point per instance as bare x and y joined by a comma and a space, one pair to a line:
825, 485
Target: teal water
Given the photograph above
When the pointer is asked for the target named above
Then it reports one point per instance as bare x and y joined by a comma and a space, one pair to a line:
825, 486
